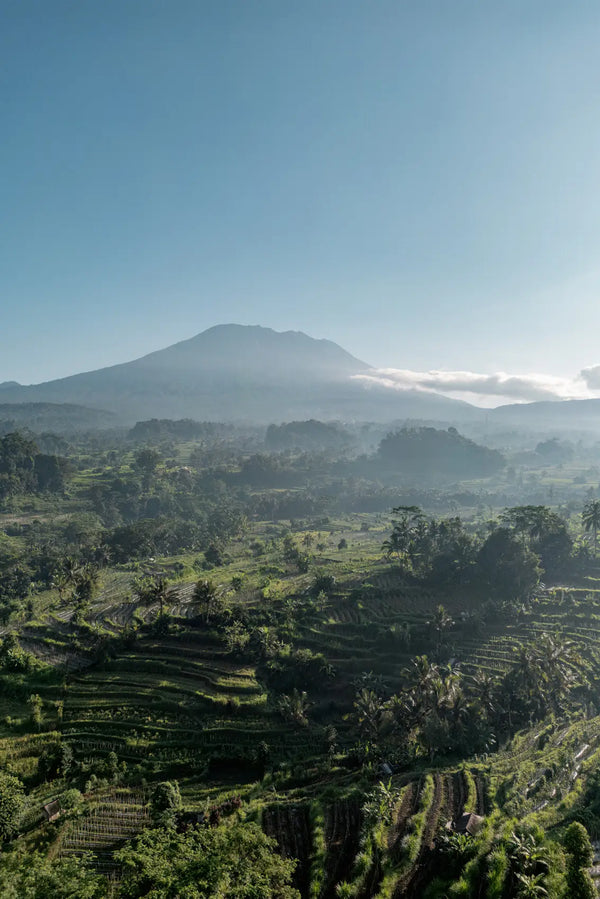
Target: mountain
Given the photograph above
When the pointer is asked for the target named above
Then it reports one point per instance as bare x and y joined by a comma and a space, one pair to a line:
559, 415
242, 373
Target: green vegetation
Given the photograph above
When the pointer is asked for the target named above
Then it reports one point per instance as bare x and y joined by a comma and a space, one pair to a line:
234, 672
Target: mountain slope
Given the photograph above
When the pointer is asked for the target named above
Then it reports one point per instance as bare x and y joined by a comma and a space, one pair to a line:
63, 417
562, 415
236, 372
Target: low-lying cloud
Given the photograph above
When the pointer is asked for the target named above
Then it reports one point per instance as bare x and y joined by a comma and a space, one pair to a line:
591, 376
488, 389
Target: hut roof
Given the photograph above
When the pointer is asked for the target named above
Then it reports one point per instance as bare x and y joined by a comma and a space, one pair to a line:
52, 809
468, 823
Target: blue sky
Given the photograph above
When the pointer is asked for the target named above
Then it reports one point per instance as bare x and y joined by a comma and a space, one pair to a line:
417, 180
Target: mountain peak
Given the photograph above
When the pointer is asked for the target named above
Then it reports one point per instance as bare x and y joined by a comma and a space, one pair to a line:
251, 351
237, 372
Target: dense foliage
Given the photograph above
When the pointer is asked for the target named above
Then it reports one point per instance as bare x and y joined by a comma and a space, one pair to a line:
236, 676
232, 861
427, 452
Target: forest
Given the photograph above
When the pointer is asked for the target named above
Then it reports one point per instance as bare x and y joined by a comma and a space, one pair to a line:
309, 660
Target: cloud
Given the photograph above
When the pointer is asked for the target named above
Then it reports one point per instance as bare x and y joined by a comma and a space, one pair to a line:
591, 376
488, 389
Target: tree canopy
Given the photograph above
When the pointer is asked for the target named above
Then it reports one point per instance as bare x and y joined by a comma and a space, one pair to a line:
230, 861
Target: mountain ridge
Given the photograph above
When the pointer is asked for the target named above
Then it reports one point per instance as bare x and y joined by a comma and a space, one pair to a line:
245, 373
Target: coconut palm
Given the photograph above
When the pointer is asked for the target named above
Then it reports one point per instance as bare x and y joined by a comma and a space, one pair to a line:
294, 707
60, 582
205, 594
371, 714
440, 622
486, 688
590, 517
155, 589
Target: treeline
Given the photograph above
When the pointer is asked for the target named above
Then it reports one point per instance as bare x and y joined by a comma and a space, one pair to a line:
440, 711
307, 435
508, 561
25, 470
424, 452
158, 429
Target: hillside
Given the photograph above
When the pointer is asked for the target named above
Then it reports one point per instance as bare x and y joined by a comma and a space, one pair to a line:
64, 417
561, 415
288, 655
241, 373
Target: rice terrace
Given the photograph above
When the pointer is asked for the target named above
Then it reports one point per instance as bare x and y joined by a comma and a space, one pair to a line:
303, 672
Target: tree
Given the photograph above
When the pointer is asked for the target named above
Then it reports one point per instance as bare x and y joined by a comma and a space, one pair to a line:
11, 804
31, 875
85, 583
294, 707
205, 594
153, 589
404, 528
486, 686
35, 706
440, 622
165, 802
146, 462
371, 714
55, 759
507, 567
231, 861
590, 517
577, 843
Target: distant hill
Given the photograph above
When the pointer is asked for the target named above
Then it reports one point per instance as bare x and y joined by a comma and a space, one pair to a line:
243, 373
62, 417
427, 452
559, 415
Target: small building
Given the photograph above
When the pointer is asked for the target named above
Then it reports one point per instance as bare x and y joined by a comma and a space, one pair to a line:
468, 823
52, 810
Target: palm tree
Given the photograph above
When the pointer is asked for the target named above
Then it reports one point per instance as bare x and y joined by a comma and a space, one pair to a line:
440, 622
590, 517
371, 714
396, 543
160, 592
156, 589
486, 687
294, 707
531, 886
67, 575
60, 582
85, 582
205, 593
560, 663
420, 677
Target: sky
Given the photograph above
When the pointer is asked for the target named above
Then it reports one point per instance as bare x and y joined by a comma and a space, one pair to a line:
417, 180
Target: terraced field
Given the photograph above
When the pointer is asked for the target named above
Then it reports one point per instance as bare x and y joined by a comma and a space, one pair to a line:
111, 819
182, 707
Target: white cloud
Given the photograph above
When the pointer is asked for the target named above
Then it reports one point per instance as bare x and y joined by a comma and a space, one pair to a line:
591, 376
488, 389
